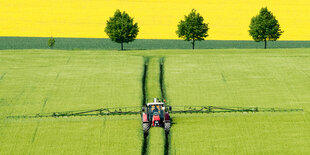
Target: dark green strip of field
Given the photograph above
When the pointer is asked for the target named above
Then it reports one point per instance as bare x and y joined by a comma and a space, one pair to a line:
142, 44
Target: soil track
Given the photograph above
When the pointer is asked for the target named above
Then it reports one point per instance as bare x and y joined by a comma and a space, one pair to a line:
144, 100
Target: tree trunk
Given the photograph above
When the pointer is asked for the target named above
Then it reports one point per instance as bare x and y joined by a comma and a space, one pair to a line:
265, 43
193, 43
122, 46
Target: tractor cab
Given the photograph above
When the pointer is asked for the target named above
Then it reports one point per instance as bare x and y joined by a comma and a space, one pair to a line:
155, 114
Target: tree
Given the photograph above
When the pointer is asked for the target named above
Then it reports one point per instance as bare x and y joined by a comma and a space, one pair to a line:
265, 27
192, 28
121, 28
51, 42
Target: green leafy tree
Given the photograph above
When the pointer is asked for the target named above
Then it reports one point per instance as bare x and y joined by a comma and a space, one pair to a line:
192, 28
121, 28
265, 27
51, 42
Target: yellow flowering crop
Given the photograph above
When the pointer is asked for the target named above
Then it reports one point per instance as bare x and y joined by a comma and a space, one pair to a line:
157, 19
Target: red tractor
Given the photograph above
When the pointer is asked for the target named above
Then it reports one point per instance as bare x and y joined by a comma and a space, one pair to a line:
156, 114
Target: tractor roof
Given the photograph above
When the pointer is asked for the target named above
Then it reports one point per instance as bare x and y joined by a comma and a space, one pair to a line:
157, 103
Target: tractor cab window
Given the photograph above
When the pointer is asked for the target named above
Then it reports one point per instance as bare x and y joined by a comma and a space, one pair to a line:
160, 109
156, 108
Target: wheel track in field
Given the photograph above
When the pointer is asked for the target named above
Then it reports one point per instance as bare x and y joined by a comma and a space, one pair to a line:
43, 107
34, 136
2, 76
144, 100
164, 95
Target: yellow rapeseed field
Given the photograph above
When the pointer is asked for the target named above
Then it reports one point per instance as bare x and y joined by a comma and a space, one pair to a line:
158, 19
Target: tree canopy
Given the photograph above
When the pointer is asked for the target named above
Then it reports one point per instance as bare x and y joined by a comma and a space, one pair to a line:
192, 28
51, 42
265, 27
121, 28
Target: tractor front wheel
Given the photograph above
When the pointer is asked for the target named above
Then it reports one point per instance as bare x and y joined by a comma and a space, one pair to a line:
146, 128
167, 127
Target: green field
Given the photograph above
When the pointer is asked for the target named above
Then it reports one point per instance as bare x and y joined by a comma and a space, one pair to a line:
241, 78
156, 142
152, 80
253, 78
139, 44
35, 81
78, 135
48, 81
278, 78
260, 133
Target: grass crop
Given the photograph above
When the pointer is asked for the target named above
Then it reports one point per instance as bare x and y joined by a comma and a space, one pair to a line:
107, 44
34, 81
46, 81
277, 78
156, 141
74, 135
238, 133
56, 81
152, 80
263, 79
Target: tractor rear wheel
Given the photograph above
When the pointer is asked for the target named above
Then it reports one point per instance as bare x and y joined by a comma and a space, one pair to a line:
167, 127
146, 128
